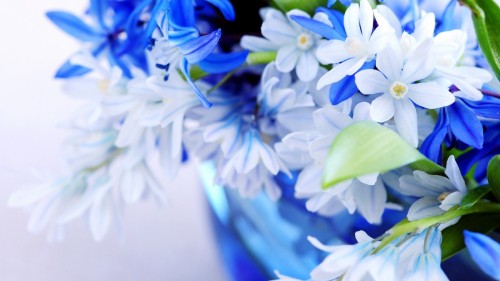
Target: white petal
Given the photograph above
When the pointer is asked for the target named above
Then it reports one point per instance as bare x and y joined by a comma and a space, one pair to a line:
382, 108
338, 72
330, 120
430, 95
258, 44
101, 215
366, 19
380, 38
453, 199
454, 174
419, 64
278, 30
307, 67
437, 183
423, 208
405, 117
287, 58
332, 51
351, 21
385, 16
369, 179
371, 82
370, 201
318, 201
361, 112
424, 27
390, 63
132, 185
309, 181
268, 157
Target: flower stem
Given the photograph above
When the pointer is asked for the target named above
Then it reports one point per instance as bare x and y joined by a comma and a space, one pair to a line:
410, 226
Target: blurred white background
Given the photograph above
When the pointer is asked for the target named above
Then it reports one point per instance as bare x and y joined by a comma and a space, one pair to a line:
171, 243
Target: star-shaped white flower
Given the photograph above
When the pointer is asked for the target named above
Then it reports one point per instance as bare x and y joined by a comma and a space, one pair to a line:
360, 46
438, 194
294, 44
398, 82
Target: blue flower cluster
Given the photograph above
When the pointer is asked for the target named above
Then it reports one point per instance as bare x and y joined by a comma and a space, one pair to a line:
262, 91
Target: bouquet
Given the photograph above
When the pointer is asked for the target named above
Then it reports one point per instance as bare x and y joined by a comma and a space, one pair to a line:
365, 107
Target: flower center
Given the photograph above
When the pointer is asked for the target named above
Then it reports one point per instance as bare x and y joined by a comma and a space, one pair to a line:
443, 196
305, 41
398, 90
103, 85
356, 47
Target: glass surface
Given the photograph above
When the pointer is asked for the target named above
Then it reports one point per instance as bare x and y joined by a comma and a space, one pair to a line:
258, 236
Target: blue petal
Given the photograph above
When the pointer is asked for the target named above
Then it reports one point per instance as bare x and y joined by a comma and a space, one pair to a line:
68, 70
344, 2
342, 90
447, 22
336, 18
488, 107
182, 35
74, 26
225, 7
431, 147
98, 9
115, 60
330, 3
465, 125
182, 13
485, 252
197, 49
318, 27
197, 91
121, 14
346, 87
220, 63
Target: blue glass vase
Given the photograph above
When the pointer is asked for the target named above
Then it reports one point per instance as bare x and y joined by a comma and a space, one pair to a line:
258, 236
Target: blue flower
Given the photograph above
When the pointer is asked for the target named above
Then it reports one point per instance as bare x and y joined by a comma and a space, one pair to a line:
105, 34
460, 122
485, 252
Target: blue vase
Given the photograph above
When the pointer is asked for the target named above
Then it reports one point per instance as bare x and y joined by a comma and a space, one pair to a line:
258, 236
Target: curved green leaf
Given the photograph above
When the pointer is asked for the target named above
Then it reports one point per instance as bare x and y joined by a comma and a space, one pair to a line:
486, 17
494, 176
474, 195
367, 147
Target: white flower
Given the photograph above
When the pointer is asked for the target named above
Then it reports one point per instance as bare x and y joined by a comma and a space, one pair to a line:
284, 106
296, 45
360, 46
397, 80
102, 178
437, 193
308, 150
424, 260
341, 258
449, 49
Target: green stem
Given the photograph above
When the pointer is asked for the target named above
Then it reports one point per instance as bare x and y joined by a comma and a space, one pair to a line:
411, 226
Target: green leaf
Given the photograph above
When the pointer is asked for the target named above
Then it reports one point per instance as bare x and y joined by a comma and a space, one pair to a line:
260, 58
474, 195
453, 238
494, 176
367, 147
308, 6
486, 17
